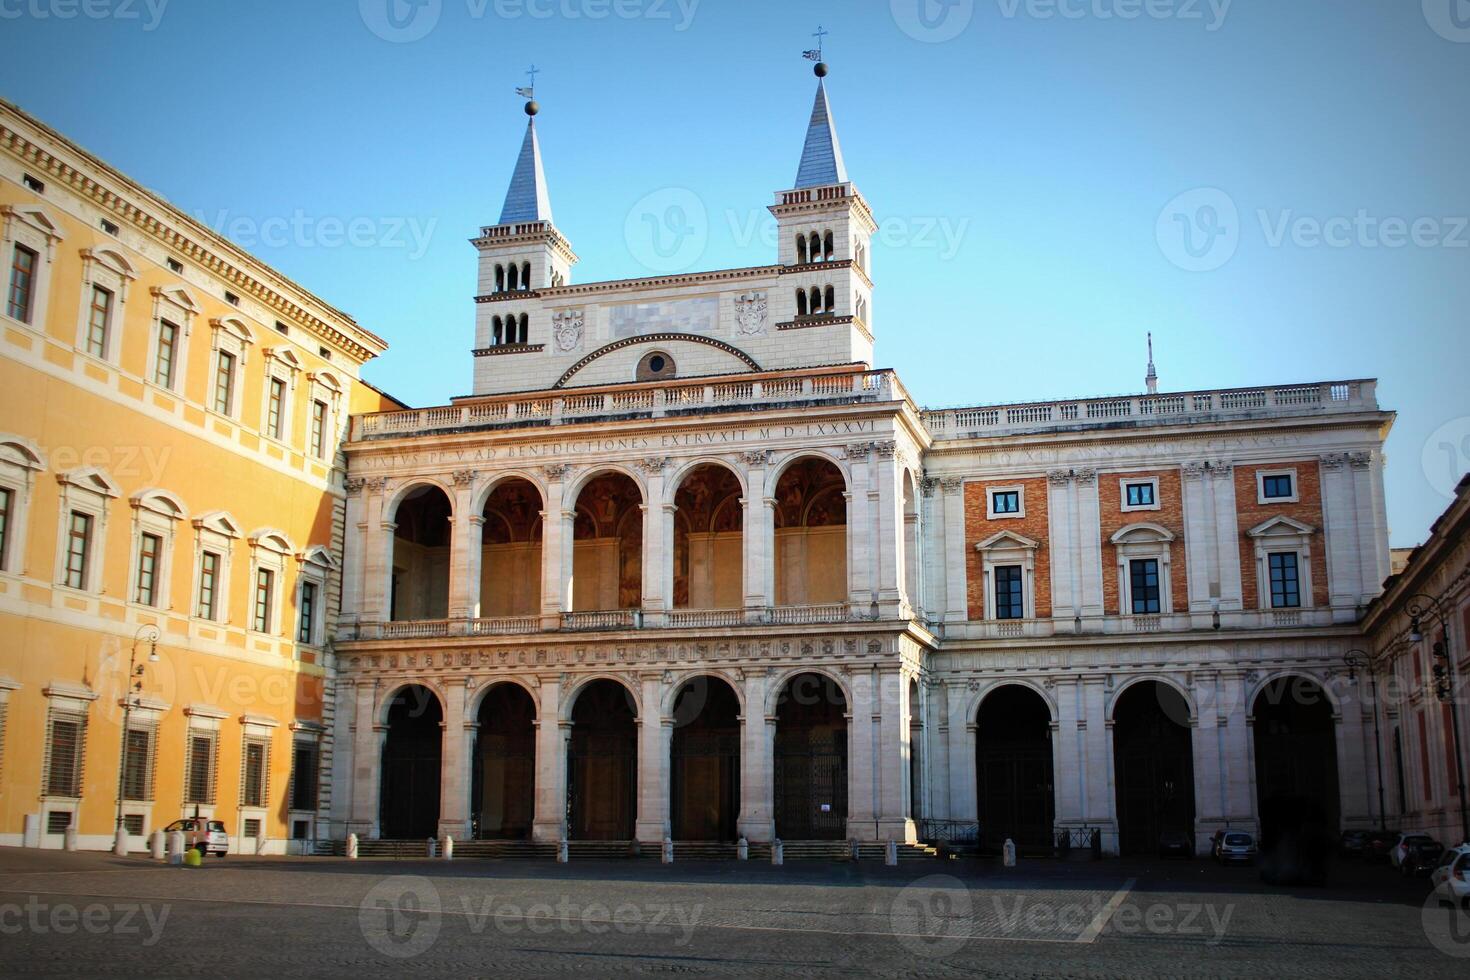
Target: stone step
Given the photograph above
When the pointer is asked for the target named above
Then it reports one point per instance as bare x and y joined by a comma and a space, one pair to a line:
795, 850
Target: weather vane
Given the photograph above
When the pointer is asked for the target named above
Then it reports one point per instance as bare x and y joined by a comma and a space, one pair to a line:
815, 54
528, 92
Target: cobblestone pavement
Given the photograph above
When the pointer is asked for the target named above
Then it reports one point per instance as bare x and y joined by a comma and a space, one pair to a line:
89, 914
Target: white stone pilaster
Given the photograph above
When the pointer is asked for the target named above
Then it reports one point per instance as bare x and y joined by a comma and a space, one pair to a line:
377, 571
963, 799
455, 763
655, 734
556, 551
956, 601
367, 760
1069, 755
757, 820
551, 764
354, 550
465, 551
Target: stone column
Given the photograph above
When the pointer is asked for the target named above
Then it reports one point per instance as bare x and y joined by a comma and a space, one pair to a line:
464, 552
956, 598
377, 569
1099, 796
931, 527
367, 760
863, 737
658, 544
1357, 782
354, 548
455, 763
937, 765
888, 555
1069, 755
655, 732
551, 763
1088, 523
556, 550
1227, 534
1211, 779
1233, 736
337, 759
758, 538
861, 583
891, 752
757, 821
1340, 535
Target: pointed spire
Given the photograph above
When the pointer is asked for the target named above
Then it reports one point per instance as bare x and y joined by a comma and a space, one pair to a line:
527, 199
821, 157
1152, 378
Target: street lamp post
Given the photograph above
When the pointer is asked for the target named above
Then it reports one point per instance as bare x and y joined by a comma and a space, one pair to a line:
130, 691
1356, 659
1417, 607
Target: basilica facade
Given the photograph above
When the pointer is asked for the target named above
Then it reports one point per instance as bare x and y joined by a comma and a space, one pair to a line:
687, 565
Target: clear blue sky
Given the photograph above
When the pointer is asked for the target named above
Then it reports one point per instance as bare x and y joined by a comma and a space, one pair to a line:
1047, 138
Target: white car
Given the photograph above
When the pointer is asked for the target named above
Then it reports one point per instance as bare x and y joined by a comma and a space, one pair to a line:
1451, 880
201, 834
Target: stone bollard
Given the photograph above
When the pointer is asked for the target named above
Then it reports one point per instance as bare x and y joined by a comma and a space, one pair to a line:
120, 842
176, 848
431, 847
742, 849
352, 847
854, 849
667, 854
778, 852
890, 854
69, 839
155, 845
563, 853
1009, 853
448, 847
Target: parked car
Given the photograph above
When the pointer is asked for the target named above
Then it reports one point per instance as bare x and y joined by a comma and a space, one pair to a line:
1176, 843
1236, 845
197, 830
1421, 855
1409, 848
1352, 842
1378, 843
1451, 880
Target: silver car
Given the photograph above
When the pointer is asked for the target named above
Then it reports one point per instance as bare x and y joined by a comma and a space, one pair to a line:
1236, 845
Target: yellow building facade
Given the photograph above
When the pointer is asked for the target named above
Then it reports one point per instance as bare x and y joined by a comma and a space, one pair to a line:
170, 483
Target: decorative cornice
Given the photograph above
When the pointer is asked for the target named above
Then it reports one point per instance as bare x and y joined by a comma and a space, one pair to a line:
508, 349
655, 338
465, 478
802, 323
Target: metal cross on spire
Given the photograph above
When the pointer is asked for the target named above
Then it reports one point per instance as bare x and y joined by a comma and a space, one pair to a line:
529, 91
815, 54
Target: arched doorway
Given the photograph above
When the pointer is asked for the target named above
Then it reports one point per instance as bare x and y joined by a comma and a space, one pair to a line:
1153, 764
602, 764
704, 756
1013, 769
503, 783
510, 556
420, 585
607, 553
708, 540
811, 760
1296, 759
409, 791
811, 534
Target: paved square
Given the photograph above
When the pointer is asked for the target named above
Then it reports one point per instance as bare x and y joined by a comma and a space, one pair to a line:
87, 914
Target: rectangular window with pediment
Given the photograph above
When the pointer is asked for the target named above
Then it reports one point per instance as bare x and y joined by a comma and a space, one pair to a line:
1009, 592
99, 322
21, 298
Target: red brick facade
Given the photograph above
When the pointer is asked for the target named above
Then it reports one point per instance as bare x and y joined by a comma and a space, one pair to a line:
1034, 526
1170, 516
1307, 509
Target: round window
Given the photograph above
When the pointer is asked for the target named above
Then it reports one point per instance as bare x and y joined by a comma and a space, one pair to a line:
656, 366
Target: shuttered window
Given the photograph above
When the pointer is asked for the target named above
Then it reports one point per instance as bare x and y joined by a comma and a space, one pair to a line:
138, 764
199, 768
254, 767
66, 735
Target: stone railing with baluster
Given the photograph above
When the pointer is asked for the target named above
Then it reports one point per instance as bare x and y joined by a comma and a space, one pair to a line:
657, 400
1320, 398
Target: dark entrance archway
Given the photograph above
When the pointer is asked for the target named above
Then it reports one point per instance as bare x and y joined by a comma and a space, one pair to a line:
1296, 759
409, 793
1013, 769
1153, 766
602, 764
503, 785
704, 784
811, 760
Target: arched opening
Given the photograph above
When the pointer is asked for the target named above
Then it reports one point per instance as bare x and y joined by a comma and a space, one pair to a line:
911, 562
827, 250
500, 278
704, 771
814, 247
1013, 769
916, 748
801, 302
503, 782
409, 792
811, 760
811, 534
420, 586
510, 557
1154, 766
512, 281
708, 540
525, 276
1296, 767
602, 764
801, 252
830, 300
607, 554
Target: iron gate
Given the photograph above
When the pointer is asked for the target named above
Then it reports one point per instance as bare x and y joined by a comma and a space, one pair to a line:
811, 787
